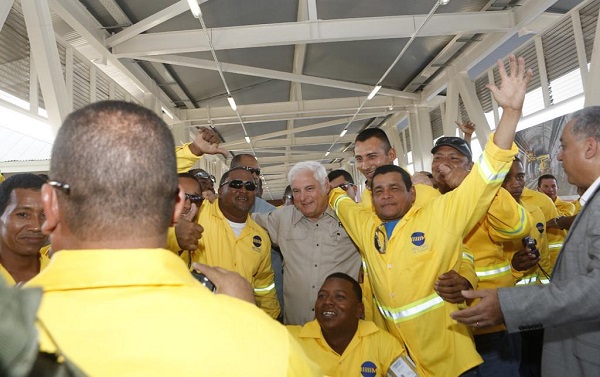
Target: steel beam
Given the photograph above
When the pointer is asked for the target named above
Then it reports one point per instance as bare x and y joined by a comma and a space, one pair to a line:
319, 31
44, 49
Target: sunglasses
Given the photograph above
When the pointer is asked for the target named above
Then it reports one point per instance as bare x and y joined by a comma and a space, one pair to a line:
346, 186
196, 199
238, 183
202, 175
251, 170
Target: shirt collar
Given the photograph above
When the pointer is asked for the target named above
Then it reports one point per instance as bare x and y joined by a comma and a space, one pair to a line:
589, 192
81, 269
313, 330
297, 215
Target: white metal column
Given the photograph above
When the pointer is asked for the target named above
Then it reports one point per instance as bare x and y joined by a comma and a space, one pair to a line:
592, 95
44, 49
467, 91
421, 138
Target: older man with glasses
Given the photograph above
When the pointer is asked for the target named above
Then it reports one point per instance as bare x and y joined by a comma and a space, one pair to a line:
232, 240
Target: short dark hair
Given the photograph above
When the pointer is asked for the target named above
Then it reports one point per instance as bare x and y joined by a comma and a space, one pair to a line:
384, 169
18, 181
545, 176
338, 173
355, 286
378, 133
119, 160
228, 172
236, 161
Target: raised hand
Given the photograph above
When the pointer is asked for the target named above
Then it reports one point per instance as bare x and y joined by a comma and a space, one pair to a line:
511, 91
207, 142
188, 231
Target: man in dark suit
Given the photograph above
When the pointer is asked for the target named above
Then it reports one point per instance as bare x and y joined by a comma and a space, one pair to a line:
569, 307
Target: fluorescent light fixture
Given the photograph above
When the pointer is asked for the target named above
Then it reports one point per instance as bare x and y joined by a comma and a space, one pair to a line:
247, 139
444, 2
326, 153
344, 132
232, 103
195, 8
373, 92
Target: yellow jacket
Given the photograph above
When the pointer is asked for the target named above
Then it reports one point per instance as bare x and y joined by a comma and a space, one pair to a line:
426, 243
44, 260
538, 231
504, 221
370, 352
185, 158
564, 208
249, 254
556, 237
139, 313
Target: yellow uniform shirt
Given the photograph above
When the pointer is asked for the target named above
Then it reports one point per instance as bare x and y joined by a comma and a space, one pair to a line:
577, 205
426, 243
1, 178
185, 158
139, 313
370, 352
564, 208
249, 254
556, 237
504, 221
10, 281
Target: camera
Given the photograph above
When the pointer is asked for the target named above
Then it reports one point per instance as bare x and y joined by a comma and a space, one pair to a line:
531, 243
204, 281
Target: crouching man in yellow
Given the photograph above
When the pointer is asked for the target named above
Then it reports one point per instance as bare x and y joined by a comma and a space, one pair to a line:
342, 343
115, 301
407, 247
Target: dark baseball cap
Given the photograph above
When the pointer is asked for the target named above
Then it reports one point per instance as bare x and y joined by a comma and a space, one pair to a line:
455, 142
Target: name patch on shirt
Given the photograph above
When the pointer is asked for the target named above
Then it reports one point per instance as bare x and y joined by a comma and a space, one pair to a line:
257, 242
368, 369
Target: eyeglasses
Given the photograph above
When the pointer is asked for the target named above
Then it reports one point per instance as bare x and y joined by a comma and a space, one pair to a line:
196, 199
380, 238
238, 183
64, 187
252, 170
346, 186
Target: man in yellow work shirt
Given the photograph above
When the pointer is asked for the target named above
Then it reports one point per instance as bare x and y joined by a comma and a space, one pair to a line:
115, 301
232, 240
547, 184
21, 219
428, 240
339, 340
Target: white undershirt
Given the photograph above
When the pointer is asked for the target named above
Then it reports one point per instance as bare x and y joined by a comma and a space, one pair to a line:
237, 227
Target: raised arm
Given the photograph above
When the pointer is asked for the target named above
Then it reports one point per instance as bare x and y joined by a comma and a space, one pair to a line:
510, 95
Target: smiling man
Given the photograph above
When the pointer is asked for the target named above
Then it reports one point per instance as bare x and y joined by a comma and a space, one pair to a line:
233, 241
339, 340
21, 219
311, 239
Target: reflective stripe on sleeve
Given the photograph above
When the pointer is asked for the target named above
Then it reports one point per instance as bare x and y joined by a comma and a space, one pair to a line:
337, 200
486, 171
522, 223
264, 290
556, 245
411, 310
493, 271
528, 280
468, 256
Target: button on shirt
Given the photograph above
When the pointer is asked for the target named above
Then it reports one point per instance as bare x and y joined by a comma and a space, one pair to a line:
312, 250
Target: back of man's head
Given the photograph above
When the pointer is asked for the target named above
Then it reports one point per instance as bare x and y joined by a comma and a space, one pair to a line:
118, 159
377, 133
18, 181
340, 173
